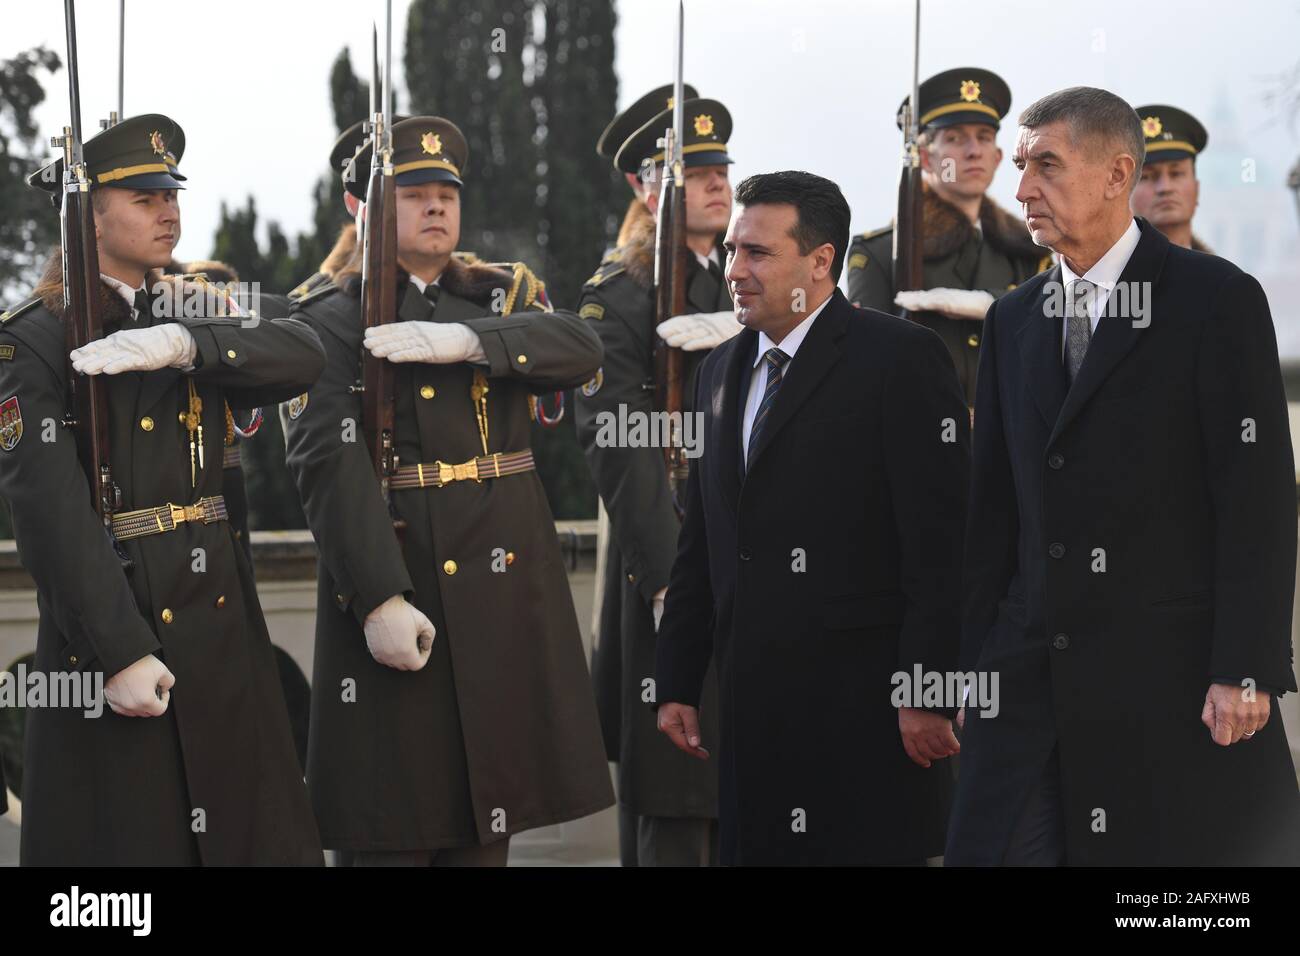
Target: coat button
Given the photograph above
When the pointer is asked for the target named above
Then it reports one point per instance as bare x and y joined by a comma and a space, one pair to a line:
510, 557
1061, 642
973, 341
146, 423
745, 554
1056, 461
72, 658
221, 600
167, 615
1056, 549
631, 579
339, 598
230, 353
521, 358
426, 391
449, 567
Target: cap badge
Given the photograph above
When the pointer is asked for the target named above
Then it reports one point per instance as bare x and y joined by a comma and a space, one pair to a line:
431, 143
1152, 127
970, 91
156, 141
704, 125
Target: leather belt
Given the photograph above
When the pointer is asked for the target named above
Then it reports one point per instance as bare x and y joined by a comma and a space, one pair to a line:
440, 473
164, 518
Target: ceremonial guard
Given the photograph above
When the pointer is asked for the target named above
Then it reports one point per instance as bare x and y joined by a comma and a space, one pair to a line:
667, 800
452, 705
973, 250
163, 605
1168, 192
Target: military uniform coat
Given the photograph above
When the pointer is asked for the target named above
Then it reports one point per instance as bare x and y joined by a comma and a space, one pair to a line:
654, 777
1147, 463
125, 790
995, 258
861, 466
498, 732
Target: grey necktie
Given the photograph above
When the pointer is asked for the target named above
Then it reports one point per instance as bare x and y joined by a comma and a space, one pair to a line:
1078, 328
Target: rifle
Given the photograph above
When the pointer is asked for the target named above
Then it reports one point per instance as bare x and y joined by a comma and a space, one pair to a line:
116, 116
907, 256
87, 408
379, 271
670, 275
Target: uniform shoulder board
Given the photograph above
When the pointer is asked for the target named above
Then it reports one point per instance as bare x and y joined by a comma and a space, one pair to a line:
322, 290
607, 270
877, 232
307, 286
469, 258
20, 309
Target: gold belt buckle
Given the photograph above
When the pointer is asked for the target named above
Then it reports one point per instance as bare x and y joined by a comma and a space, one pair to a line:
183, 513
468, 469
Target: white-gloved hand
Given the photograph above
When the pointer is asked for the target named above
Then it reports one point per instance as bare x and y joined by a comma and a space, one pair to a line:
703, 330
398, 635
142, 689
657, 603
438, 343
169, 345
958, 303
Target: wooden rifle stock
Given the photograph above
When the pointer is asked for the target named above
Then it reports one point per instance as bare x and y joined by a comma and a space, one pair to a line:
670, 300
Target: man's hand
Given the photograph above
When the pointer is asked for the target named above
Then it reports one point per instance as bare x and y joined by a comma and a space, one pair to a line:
702, 330
926, 736
657, 605
682, 725
1229, 718
957, 303
398, 635
169, 345
142, 689
436, 343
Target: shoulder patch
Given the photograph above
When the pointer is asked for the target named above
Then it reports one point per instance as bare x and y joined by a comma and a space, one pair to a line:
592, 310
297, 405
592, 387
857, 260
607, 270
20, 309
11, 423
312, 282
6, 353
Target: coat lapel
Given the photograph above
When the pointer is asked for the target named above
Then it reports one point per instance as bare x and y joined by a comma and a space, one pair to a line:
1116, 334
806, 371
727, 405
1041, 355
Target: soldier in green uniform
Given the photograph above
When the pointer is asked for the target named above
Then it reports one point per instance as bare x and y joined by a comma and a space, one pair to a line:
667, 800
1168, 191
452, 706
973, 250
193, 761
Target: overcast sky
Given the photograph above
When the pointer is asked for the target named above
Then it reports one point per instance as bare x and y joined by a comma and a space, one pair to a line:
811, 84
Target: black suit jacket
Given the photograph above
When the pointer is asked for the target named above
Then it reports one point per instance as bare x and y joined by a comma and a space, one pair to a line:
1130, 539
829, 567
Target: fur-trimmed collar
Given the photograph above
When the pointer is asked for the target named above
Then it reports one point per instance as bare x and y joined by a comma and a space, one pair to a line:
638, 254
946, 228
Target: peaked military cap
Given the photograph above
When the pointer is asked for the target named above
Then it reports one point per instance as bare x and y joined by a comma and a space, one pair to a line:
1170, 133
704, 143
140, 152
425, 149
637, 115
964, 95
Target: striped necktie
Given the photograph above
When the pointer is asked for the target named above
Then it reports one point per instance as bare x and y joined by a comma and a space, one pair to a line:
776, 360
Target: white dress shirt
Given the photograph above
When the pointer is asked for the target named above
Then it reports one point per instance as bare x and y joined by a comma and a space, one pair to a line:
758, 381
1104, 275
705, 260
422, 285
122, 289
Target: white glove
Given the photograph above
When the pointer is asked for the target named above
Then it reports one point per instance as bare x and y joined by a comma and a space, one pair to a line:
958, 303
657, 603
438, 343
398, 635
137, 350
142, 689
703, 330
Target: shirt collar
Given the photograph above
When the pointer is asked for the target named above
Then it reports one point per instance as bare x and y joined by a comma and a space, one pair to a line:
705, 260
794, 338
122, 289
422, 285
1107, 270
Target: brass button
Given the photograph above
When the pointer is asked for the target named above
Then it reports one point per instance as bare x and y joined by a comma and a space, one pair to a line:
230, 353
426, 391
973, 341
72, 658
146, 423
522, 358
339, 598
631, 579
167, 615
449, 567
221, 600
510, 557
